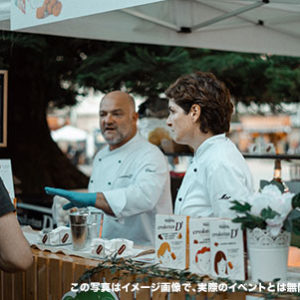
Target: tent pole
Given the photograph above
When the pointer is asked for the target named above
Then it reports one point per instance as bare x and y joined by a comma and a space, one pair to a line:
228, 15
150, 19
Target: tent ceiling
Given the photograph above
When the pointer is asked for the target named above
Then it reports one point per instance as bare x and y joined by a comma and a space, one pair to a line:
245, 25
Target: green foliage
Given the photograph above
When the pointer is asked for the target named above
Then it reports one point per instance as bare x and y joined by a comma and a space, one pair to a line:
91, 295
65, 64
42, 61
292, 222
247, 220
140, 69
250, 221
254, 77
240, 207
149, 271
268, 213
296, 201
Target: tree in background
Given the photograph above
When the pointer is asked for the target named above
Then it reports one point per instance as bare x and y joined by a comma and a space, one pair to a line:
143, 70
148, 70
262, 79
37, 66
47, 71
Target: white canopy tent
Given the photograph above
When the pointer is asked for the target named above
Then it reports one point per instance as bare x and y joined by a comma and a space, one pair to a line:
259, 26
69, 133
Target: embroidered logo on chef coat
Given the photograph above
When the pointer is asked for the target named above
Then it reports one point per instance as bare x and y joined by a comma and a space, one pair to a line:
150, 170
225, 197
125, 176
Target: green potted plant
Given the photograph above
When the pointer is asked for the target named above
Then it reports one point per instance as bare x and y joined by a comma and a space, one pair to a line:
269, 216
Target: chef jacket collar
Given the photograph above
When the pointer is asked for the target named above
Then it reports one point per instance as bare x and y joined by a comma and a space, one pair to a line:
208, 142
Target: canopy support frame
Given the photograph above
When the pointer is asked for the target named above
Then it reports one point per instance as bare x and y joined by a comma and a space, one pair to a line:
228, 15
145, 17
199, 26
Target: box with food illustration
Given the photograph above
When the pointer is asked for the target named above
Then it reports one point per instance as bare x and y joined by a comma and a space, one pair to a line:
227, 250
171, 241
200, 245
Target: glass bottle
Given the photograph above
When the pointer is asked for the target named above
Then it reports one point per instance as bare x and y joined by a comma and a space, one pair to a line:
277, 175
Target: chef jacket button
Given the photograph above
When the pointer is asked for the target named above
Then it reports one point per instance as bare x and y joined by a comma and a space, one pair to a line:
99, 159
119, 161
195, 170
109, 183
180, 199
91, 181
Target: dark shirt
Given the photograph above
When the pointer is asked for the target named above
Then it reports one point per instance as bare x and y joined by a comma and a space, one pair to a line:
5, 203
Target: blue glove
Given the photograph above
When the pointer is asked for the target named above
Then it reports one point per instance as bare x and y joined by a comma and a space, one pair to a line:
75, 198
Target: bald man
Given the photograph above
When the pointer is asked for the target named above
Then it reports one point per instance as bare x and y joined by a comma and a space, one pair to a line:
130, 179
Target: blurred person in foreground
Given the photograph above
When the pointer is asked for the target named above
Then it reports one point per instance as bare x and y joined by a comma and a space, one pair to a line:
130, 180
199, 116
15, 253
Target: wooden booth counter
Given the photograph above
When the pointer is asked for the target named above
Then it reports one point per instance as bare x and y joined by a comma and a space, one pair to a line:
51, 276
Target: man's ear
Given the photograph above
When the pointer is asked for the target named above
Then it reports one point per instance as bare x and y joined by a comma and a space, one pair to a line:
195, 112
135, 116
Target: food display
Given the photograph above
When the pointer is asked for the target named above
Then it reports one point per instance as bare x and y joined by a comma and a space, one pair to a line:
102, 247
59, 236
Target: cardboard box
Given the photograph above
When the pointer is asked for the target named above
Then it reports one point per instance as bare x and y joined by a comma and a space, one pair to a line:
200, 245
227, 250
171, 241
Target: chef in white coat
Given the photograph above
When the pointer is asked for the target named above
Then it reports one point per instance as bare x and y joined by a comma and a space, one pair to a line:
199, 116
130, 180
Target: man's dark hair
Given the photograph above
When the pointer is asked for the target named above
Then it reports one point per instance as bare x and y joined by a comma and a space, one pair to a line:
210, 94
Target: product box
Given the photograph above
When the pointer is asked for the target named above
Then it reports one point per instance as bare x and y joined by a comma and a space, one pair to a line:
227, 250
200, 245
171, 241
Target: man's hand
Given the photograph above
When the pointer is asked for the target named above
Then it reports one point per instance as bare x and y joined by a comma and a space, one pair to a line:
75, 198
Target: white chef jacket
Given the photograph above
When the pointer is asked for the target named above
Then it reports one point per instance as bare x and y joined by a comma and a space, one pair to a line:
135, 181
217, 175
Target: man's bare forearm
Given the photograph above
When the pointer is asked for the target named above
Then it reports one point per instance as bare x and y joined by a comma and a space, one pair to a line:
102, 204
15, 252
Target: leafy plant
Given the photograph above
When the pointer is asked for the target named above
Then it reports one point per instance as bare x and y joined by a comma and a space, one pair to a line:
123, 268
270, 209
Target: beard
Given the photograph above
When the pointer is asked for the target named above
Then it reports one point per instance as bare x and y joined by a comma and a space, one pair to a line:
113, 137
